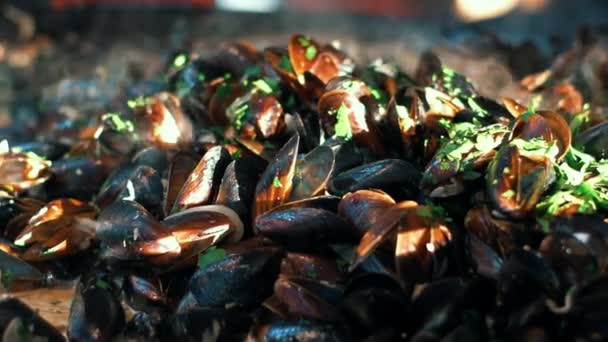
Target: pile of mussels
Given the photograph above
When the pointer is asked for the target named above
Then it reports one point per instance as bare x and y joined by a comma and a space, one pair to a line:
291, 195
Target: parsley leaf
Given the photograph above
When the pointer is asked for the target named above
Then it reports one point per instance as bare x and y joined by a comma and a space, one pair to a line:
285, 64
342, 127
311, 52
210, 256
276, 182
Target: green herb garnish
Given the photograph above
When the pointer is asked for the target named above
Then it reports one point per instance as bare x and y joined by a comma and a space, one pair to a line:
285, 64
180, 60
508, 194
311, 52
210, 256
102, 284
342, 127
276, 182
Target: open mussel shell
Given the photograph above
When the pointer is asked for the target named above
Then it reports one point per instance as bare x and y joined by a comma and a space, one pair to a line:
199, 228
237, 189
396, 177
422, 249
276, 181
268, 114
304, 228
341, 107
312, 173
306, 298
383, 230
180, 169
162, 121
153, 157
551, 126
127, 231
21, 171
515, 181
228, 282
19, 322
201, 186
363, 208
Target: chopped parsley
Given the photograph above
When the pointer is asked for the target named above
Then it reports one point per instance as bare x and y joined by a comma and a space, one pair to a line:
118, 122
210, 256
180, 60
266, 85
508, 194
252, 71
236, 155
311, 52
139, 102
285, 64
5, 278
342, 127
312, 273
276, 182
102, 284
239, 115
531, 108
304, 41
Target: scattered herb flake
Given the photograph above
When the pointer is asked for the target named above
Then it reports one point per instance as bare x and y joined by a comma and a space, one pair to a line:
210, 256
263, 85
180, 60
276, 182
304, 41
236, 155
285, 64
252, 71
311, 52
508, 194
102, 284
342, 127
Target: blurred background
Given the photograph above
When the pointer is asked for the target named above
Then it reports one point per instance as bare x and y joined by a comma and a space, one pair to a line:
67, 55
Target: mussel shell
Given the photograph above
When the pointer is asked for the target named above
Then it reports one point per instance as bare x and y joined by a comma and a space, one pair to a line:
237, 189
199, 228
141, 184
573, 260
35, 326
312, 173
527, 179
363, 208
312, 266
202, 184
307, 298
128, 232
180, 169
18, 274
95, 314
374, 301
525, 276
276, 181
229, 281
394, 176
153, 157
47, 149
304, 228
594, 141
